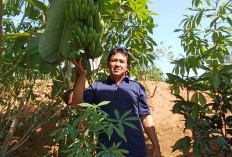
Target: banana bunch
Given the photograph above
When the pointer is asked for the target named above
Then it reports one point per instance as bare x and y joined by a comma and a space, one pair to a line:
87, 25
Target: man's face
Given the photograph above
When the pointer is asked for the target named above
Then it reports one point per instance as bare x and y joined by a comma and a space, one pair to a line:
118, 64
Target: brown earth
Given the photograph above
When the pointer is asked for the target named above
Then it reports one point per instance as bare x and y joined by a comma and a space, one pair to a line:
169, 126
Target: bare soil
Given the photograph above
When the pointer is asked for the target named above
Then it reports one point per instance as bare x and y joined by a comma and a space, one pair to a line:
169, 126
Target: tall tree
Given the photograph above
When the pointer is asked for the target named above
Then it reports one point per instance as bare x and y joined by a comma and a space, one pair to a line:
206, 39
1, 40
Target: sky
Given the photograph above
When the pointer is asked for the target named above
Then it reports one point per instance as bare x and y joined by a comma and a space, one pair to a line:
170, 14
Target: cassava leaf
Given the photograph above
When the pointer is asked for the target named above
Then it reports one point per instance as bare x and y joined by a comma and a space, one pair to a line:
182, 144
103, 103
86, 105
216, 81
130, 125
120, 133
196, 148
109, 131
38, 4
126, 114
117, 115
202, 99
62, 135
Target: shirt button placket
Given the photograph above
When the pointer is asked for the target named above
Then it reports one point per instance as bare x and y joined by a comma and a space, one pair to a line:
116, 87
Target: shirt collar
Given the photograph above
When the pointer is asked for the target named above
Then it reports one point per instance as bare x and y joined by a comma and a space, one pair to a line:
126, 79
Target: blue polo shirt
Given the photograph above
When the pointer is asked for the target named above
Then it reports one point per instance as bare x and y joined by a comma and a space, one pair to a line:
123, 97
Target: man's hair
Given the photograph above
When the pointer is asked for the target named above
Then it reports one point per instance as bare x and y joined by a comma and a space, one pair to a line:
119, 49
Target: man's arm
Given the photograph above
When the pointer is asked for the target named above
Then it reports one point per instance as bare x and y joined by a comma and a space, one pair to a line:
78, 90
149, 128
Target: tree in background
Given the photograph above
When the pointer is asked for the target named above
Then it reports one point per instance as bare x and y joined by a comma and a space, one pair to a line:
206, 39
152, 72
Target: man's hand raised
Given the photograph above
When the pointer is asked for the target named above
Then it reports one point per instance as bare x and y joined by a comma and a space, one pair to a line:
78, 66
79, 88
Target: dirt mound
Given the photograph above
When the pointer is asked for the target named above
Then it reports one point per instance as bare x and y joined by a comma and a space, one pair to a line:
169, 126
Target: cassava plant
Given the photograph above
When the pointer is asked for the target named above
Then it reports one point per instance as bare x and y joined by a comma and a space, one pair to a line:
206, 39
21, 85
82, 131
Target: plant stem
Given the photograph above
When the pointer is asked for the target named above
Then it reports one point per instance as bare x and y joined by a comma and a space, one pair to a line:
13, 126
9, 135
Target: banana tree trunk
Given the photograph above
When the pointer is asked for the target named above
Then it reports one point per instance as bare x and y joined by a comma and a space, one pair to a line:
1, 45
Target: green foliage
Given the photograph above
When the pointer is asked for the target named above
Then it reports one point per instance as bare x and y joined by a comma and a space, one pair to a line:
20, 90
50, 40
206, 49
82, 131
35, 60
150, 72
183, 143
129, 23
32, 9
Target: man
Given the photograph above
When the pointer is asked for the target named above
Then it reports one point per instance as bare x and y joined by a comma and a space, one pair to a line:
123, 94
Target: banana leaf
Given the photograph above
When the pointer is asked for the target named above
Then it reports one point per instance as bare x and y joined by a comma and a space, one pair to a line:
50, 40
35, 62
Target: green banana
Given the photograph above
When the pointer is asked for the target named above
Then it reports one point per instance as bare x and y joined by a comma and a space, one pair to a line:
83, 38
97, 50
92, 49
71, 13
94, 35
82, 12
75, 27
90, 21
78, 30
96, 9
78, 41
77, 11
92, 7
66, 5
85, 2
99, 24
90, 36
85, 30
68, 15
87, 26
79, 2
72, 42
96, 22
87, 11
